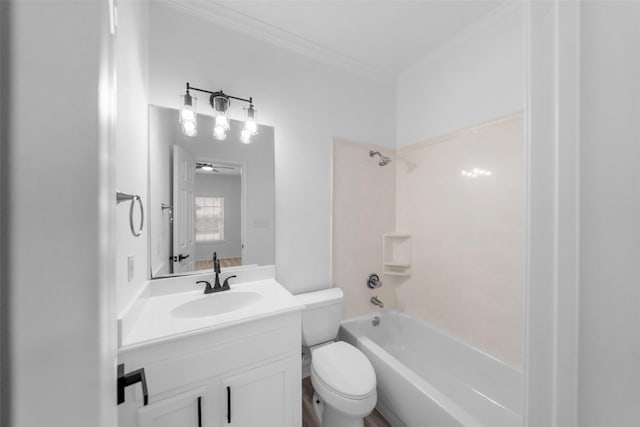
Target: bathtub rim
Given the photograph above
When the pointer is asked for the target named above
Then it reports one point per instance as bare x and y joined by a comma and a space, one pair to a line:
438, 329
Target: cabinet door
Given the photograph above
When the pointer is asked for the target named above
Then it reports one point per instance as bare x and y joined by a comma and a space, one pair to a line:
266, 396
182, 410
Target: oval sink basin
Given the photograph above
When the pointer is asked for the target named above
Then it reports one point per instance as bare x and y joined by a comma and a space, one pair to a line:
212, 305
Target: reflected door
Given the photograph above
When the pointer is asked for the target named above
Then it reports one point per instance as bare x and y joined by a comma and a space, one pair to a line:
184, 246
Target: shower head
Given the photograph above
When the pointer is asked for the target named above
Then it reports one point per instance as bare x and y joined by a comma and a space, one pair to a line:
384, 160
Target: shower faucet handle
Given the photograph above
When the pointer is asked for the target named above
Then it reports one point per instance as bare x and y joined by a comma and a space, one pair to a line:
373, 281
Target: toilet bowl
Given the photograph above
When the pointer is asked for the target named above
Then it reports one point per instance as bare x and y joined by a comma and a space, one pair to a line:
342, 377
345, 384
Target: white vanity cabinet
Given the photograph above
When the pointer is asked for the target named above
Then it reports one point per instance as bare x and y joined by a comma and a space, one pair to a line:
183, 409
247, 375
256, 397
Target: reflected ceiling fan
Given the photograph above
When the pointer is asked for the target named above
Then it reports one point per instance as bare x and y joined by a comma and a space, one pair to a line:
212, 167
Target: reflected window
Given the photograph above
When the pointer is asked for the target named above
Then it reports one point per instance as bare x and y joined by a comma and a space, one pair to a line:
209, 219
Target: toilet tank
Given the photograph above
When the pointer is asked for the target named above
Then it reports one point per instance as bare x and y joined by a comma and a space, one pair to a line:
321, 318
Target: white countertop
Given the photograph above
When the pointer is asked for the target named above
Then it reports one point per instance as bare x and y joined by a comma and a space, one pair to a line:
151, 320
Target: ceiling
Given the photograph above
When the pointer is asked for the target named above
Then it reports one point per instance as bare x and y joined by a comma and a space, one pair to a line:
382, 38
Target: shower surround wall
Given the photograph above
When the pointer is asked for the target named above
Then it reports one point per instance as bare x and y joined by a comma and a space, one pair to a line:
467, 234
467, 273
467, 266
363, 209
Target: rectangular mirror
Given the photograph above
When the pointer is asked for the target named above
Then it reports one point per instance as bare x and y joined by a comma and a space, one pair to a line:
208, 196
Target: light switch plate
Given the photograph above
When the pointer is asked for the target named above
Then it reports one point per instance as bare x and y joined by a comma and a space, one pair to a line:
261, 222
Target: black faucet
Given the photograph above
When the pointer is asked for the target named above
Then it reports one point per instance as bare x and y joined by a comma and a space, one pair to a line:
216, 270
216, 284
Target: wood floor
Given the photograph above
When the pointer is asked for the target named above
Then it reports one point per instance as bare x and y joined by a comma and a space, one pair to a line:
224, 262
309, 416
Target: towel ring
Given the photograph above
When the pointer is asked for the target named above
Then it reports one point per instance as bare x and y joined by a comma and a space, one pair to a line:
121, 197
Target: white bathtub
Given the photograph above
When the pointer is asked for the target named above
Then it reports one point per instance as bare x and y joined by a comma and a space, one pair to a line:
426, 378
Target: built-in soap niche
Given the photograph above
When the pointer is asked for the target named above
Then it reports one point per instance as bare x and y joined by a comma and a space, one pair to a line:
396, 254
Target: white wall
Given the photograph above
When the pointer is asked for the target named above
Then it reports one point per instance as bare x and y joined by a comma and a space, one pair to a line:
60, 211
609, 361
476, 77
228, 187
306, 102
131, 144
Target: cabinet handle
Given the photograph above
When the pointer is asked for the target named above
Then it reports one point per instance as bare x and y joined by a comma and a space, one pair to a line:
199, 411
228, 405
133, 377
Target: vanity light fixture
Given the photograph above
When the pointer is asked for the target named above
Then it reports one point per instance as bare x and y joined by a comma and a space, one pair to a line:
220, 102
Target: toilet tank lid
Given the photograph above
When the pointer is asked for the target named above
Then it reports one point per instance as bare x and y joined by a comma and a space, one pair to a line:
320, 298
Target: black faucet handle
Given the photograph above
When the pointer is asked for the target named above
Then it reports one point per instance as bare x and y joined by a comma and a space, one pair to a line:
225, 285
207, 289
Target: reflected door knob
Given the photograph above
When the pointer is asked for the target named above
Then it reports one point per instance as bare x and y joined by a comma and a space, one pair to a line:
180, 257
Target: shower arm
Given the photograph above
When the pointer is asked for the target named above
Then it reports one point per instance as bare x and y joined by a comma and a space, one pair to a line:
384, 160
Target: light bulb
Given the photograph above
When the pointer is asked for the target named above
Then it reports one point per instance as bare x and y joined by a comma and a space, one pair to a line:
187, 114
245, 136
189, 128
188, 117
219, 132
207, 168
222, 121
251, 127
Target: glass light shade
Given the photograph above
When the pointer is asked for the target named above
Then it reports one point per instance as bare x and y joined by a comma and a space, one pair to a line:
245, 136
220, 103
207, 168
220, 106
189, 128
223, 121
219, 133
188, 116
251, 124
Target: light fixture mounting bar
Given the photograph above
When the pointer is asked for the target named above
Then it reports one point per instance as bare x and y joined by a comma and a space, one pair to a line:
219, 93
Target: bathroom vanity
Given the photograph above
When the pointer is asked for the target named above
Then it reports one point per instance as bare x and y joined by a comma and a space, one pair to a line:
225, 359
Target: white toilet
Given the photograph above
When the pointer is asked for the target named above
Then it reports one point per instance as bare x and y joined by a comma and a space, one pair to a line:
343, 378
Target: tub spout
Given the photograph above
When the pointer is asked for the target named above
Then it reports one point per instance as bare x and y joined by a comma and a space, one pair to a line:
376, 301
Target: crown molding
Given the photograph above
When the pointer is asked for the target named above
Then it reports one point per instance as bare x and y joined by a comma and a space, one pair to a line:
226, 17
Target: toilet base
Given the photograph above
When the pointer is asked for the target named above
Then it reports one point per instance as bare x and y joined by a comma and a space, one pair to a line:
329, 417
